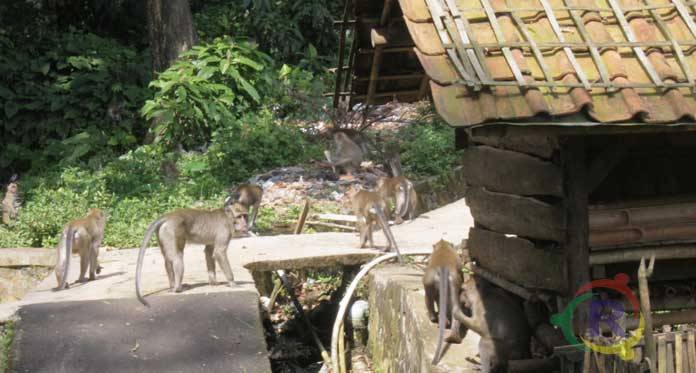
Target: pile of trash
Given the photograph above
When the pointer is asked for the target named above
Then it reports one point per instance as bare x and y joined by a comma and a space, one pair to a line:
293, 185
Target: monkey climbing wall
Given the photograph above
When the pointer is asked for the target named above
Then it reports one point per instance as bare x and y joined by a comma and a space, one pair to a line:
577, 120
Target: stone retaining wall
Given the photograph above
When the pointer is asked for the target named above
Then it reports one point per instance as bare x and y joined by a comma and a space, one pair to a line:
402, 338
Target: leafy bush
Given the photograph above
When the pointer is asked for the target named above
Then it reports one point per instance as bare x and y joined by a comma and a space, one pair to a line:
284, 29
255, 143
207, 87
298, 95
54, 96
133, 191
427, 148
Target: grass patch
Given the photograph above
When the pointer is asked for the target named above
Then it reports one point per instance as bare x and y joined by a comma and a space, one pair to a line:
6, 337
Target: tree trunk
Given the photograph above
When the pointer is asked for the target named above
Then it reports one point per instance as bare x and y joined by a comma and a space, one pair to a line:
171, 31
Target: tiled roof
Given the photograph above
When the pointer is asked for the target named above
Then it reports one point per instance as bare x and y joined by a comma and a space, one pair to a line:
615, 60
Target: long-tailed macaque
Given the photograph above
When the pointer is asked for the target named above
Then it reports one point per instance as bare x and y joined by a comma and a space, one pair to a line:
249, 195
442, 282
369, 207
83, 236
500, 321
347, 154
400, 191
10, 202
214, 229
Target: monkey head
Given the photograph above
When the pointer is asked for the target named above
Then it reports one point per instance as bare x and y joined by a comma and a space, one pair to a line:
239, 215
12, 187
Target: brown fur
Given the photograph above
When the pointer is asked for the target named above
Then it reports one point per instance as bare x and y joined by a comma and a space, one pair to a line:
9, 204
400, 191
499, 319
82, 236
369, 208
214, 229
249, 195
347, 154
442, 282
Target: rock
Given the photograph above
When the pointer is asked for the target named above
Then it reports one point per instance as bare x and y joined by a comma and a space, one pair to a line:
27, 256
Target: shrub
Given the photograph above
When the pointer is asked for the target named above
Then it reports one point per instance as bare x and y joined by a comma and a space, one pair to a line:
54, 95
207, 87
427, 148
257, 142
283, 29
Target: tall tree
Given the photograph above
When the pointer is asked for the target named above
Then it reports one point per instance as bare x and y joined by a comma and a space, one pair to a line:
171, 31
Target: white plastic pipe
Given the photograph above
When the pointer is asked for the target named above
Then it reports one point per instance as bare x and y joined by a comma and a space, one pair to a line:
343, 305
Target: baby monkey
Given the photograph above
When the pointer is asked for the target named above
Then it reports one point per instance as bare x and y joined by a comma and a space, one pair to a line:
369, 207
442, 282
84, 236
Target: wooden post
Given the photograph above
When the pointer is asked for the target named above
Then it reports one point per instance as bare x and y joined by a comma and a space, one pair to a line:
303, 218
575, 201
643, 275
341, 47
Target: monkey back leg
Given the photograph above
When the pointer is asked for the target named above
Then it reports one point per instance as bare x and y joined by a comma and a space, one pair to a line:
178, 266
220, 255
93, 263
169, 267
210, 263
84, 263
454, 335
431, 295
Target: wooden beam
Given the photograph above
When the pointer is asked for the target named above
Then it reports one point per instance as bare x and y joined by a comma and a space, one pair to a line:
395, 77
511, 172
379, 40
524, 264
406, 48
386, 10
576, 245
513, 214
424, 87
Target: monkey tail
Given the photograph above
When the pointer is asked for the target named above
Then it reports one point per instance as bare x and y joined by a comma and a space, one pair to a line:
69, 238
442, 312
404, 207
384, 223
141, 255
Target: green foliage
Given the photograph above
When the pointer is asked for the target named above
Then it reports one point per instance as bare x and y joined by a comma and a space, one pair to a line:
427, 148
54, 95
255, 143
6, 337
206, 88
288, 30
133, 191
298, 94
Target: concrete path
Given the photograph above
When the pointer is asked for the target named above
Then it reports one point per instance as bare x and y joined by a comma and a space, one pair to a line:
102, 300
117, 279
188, 333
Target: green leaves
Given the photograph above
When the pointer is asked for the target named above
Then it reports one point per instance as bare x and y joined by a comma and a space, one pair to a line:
58, 87
210, 85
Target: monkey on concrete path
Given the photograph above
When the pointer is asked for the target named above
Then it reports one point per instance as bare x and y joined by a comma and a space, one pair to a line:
369, 207
402, 193
214, 229
83, 235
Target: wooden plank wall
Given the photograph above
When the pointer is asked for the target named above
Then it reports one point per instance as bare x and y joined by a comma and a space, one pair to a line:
515, 193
